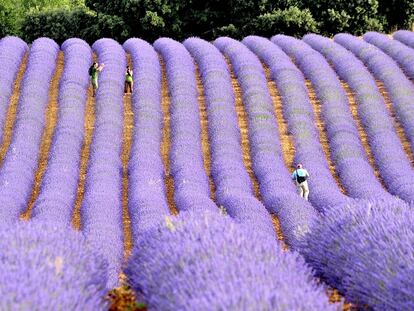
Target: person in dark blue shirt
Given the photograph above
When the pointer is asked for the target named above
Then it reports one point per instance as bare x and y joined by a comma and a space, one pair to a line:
300, 176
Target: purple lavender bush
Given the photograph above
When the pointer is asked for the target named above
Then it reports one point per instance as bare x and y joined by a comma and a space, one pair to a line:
386, 70
101, 209
208, 262
347, 152
234, 189
191, 187
404, 36
147, 195
20, 163
12, 51
401, 53
274, 180
299, 115
366, 251
373, 114
47, 266
59, 185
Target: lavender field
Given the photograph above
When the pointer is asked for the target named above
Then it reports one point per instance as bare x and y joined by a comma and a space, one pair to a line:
179, 196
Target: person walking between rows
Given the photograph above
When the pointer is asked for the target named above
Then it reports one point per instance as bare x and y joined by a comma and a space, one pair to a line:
300, 176
93, 73
129, 80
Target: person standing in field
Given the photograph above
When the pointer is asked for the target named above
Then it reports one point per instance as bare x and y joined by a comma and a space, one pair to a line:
129, 80
93, 73
300, 176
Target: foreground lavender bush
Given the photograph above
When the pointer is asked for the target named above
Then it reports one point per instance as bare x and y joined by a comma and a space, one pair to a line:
147, 195
45, 266
366, 250
208, 262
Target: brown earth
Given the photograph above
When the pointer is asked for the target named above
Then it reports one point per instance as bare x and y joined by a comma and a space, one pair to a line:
126, 150
166, 143
86, 148
204, 134
286, 140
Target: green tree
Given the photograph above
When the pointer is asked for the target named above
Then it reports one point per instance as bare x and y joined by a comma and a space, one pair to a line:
148, 19
13, 12
291, 21
397, 13
356, 16
8, 20
62, 24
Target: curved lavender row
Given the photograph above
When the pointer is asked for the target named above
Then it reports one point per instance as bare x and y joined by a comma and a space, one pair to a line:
299, 115
191, 187
147, 196
12, 51
385, 69
101, 207
59, 185
20, 163
275, 183
234, 189
348, 155
404, 36
205, 261
401, 53
386, 147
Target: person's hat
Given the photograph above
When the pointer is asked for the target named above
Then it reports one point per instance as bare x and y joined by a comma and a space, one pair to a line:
299, 165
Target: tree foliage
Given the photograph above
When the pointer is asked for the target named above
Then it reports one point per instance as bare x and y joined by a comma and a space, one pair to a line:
354, 16
397, 13
179, 19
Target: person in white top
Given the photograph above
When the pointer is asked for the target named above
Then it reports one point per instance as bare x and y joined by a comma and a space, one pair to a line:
300, 176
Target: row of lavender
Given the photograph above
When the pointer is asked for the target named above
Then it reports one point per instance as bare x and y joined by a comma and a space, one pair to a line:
147, 194
12, 51
101, 210
191, 185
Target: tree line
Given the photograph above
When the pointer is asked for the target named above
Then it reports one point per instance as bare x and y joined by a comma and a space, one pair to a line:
208, 19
